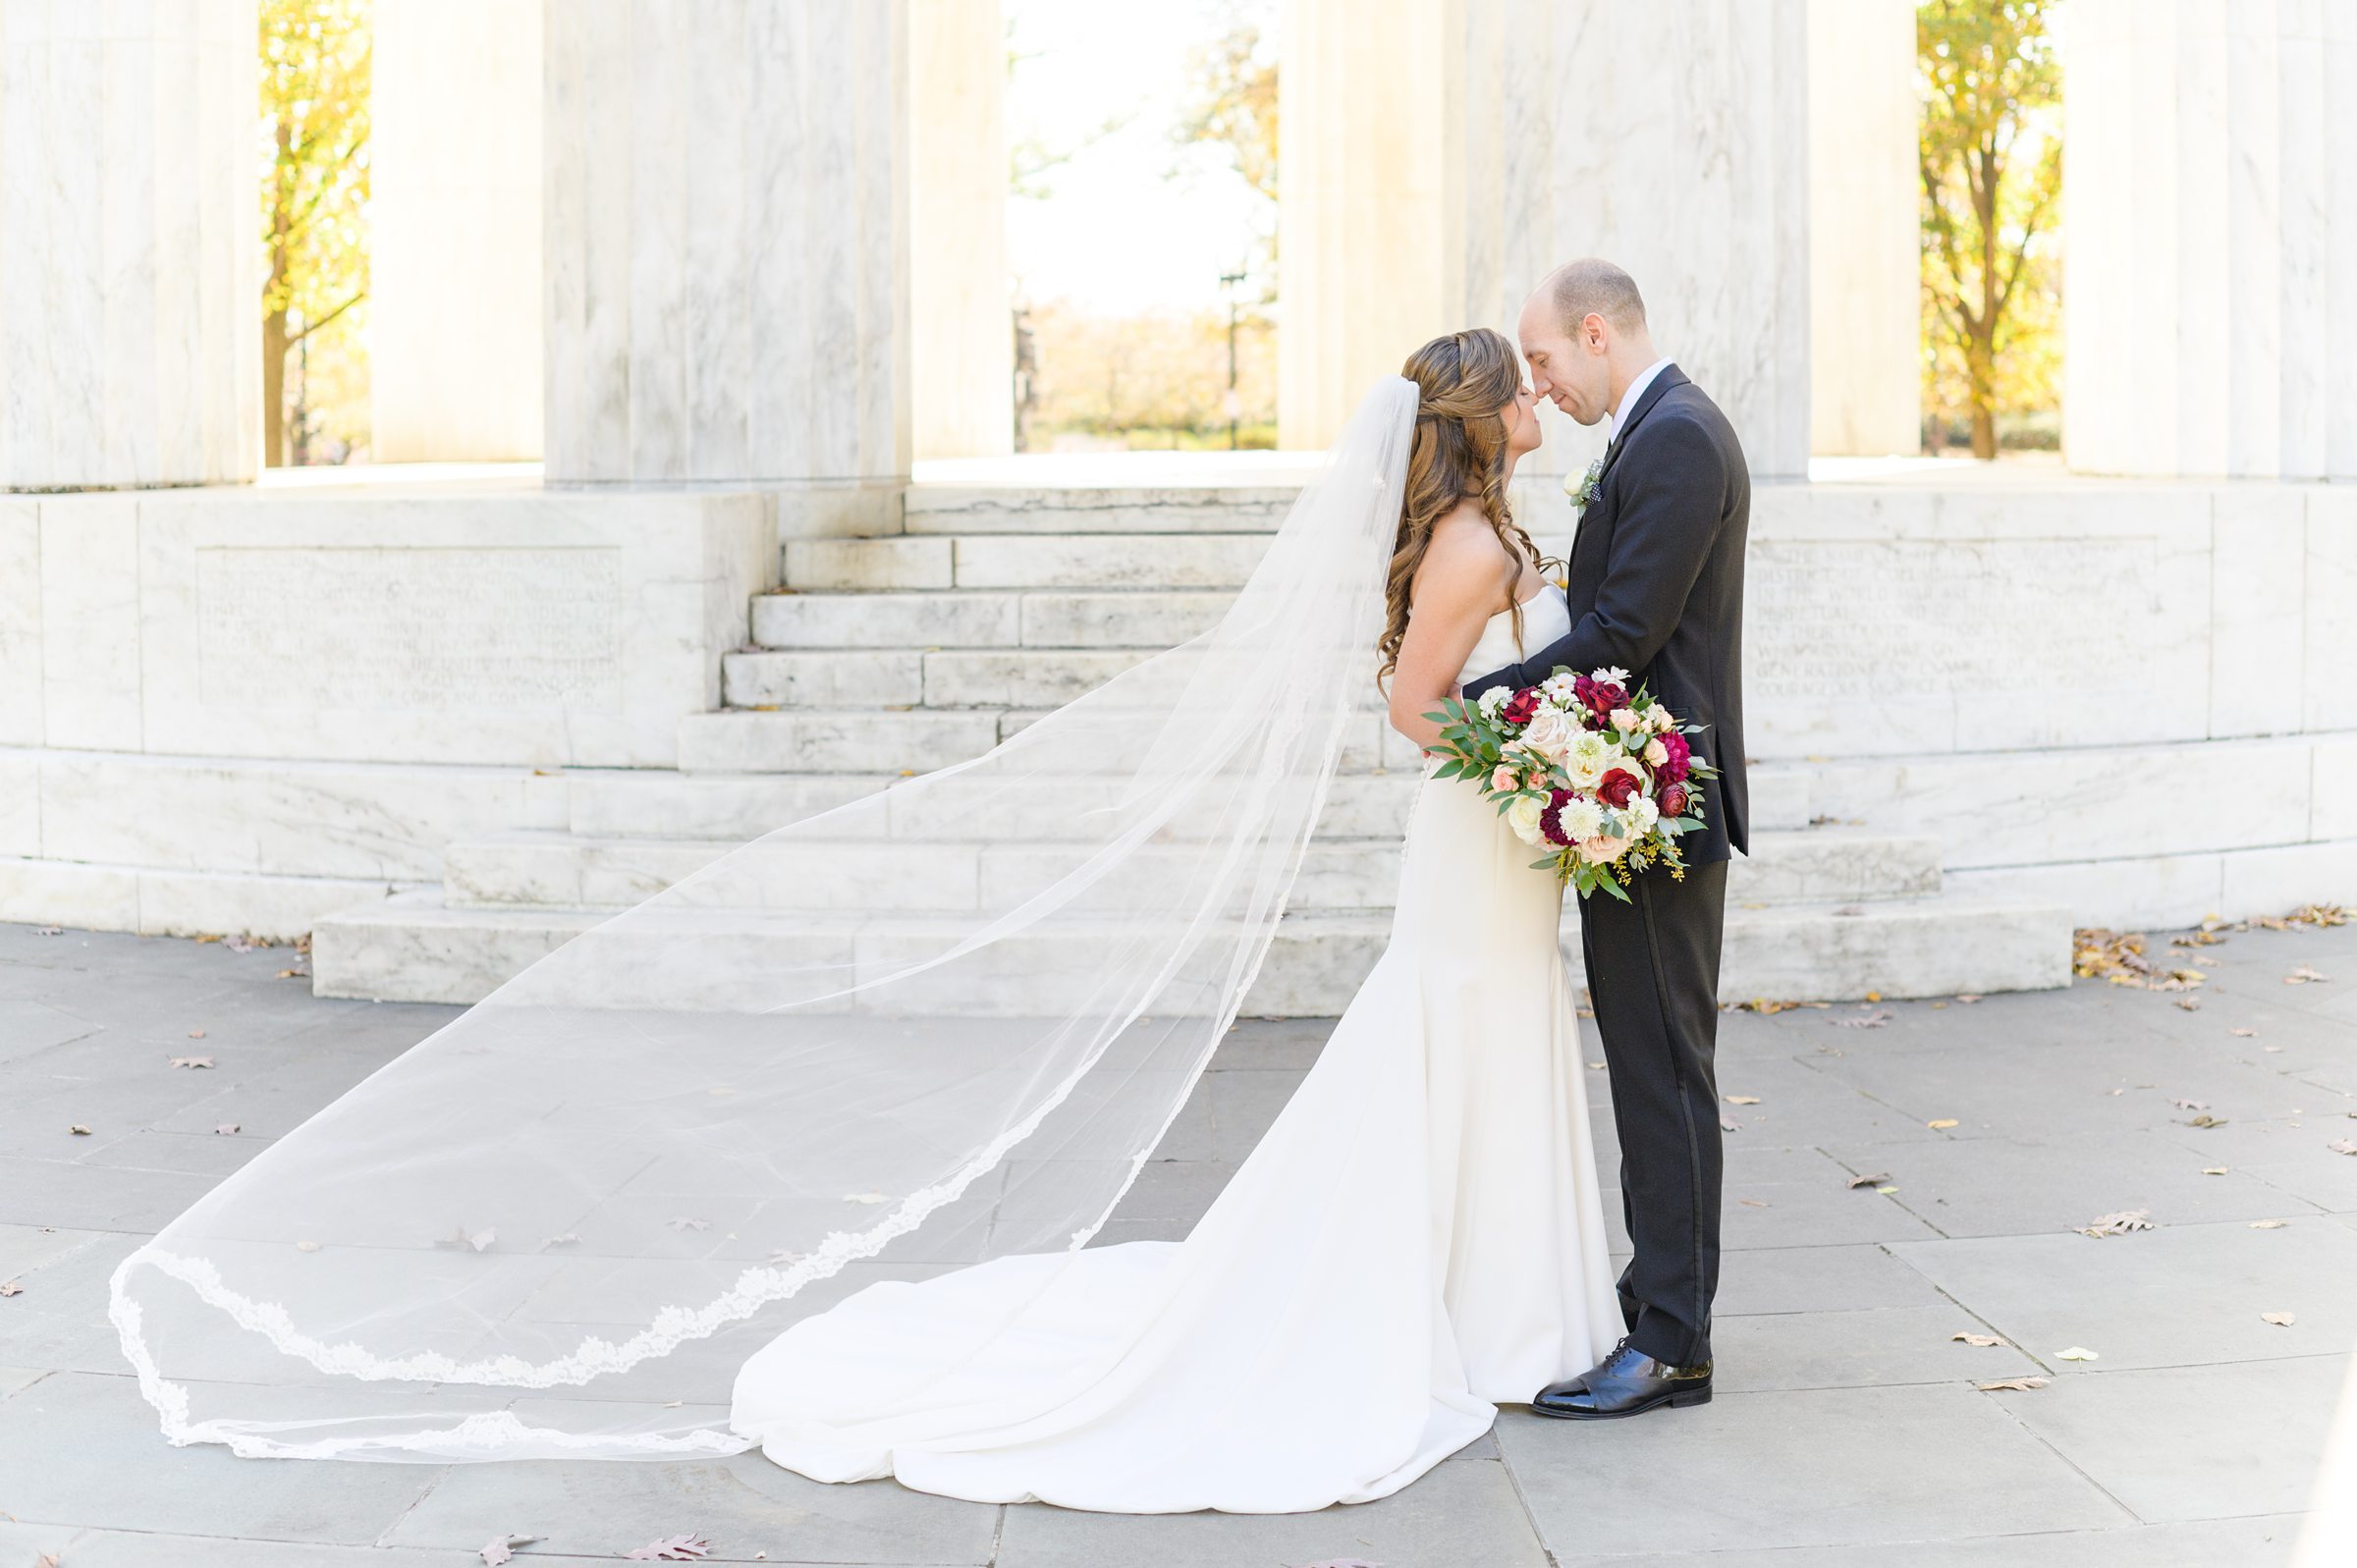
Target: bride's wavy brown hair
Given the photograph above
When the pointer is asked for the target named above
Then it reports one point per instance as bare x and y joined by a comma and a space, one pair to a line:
1463, 381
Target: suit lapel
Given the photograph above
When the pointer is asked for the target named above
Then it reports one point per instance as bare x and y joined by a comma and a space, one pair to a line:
1671, 376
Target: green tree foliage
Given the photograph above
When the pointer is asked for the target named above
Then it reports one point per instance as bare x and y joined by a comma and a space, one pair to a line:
1991, 164
1233, 82
314, 76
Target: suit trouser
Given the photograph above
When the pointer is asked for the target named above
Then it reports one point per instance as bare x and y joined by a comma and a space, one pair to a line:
1653, 973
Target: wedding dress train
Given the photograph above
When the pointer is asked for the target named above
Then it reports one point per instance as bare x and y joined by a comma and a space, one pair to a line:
1418, 1238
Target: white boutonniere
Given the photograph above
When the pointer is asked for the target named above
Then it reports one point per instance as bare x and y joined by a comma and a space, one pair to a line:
1581, 487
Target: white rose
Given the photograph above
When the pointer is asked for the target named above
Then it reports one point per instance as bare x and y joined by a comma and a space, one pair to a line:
1523, 817
1550, 734
1656, 753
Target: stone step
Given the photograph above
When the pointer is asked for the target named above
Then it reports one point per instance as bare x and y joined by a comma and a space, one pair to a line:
417, 948
1210, 508
569, 869
961, 678
1046, 617
736, 805
1150, 561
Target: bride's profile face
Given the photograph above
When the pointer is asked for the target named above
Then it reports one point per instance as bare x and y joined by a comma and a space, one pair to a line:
1521, 418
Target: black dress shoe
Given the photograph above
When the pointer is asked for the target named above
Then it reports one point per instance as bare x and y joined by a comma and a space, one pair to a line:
1629, 1382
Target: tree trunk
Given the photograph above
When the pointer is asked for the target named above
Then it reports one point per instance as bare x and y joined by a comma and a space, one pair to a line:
274, 388
1983, 432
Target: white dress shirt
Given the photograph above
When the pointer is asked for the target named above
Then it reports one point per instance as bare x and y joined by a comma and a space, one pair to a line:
1634, 391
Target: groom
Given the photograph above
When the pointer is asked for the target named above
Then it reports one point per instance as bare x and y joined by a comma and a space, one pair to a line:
1655, 588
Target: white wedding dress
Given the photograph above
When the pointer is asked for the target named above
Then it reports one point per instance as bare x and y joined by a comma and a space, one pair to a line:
1419, 1238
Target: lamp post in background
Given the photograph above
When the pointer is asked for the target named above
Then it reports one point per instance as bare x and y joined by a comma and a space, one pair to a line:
1232, 404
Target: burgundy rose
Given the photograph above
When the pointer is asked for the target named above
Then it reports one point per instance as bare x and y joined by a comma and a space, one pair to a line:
1673, 767
1602, 697
1673, 801
1551, 820
1618, 788
1521, 707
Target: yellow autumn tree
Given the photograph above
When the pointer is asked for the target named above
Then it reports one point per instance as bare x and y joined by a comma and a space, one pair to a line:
315, 79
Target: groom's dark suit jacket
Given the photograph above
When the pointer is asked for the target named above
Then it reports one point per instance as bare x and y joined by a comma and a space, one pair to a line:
1656, 587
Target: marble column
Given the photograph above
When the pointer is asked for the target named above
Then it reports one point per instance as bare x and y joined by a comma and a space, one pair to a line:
130, 277
1443, 155
963, 344
726, 219
2209, 203
454, 217
1362, 243
1865, 229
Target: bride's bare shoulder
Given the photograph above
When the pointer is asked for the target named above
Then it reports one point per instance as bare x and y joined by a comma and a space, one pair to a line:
1464, 564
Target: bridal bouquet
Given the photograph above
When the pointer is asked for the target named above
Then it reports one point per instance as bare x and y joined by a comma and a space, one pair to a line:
1606, 780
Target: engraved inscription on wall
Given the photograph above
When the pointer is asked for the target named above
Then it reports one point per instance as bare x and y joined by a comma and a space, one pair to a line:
1827, 620
372, 627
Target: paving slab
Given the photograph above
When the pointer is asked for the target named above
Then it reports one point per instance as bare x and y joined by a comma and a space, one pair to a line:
1821, 1467
744, 1505
2261, 1543
1458, 1515
2180, 1295
1857, 1348
1836, 1279
2193, 1442
72, 1444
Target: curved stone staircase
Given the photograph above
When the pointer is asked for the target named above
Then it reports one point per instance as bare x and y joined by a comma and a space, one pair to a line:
886, 657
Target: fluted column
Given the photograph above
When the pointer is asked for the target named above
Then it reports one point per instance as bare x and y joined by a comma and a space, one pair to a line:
130, 282
962, 343
2210, 196
1865, 229
454, 218
726, 239
1443, 155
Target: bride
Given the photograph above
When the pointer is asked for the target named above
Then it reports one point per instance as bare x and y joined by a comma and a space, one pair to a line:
805, 1152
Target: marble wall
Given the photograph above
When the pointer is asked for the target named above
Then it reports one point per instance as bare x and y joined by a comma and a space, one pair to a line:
454, 215
2211, 198
726, 206
129, 273
1865, 229
961, 399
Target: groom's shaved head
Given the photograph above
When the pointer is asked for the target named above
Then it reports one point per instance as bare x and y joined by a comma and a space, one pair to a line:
1589, 287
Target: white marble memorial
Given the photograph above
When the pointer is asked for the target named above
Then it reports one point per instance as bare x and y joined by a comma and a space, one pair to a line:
129, 348
961, 398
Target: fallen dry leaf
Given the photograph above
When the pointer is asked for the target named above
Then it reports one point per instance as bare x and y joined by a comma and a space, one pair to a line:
2118, 1224
683, 1223
1875, 1180
1876, 1019
1755, 1202
228, 1129
2005, 1384
672, 1548
502, 1548
1728, 1125
2214, 1170
2190, 1105
79, 1130
463, 1239
2190, 1003
566, 1240
11, 1288
2242, 1033
195, 1034
1967, 997
1942, 1124
2302, 976
2205, 1119
191, 1062
2268, 1225
2342, 1146
1984, 1341
47, 1559
307, 1246
293, 974
1596, 1066
2075, 1353
1343, 1562
1874, 995
1741, 1100
2282, 1320
864, 1196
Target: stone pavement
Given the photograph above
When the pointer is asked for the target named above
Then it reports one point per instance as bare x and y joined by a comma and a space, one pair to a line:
1847, 1431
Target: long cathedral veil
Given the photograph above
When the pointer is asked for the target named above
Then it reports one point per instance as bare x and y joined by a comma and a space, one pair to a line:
940, 1025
